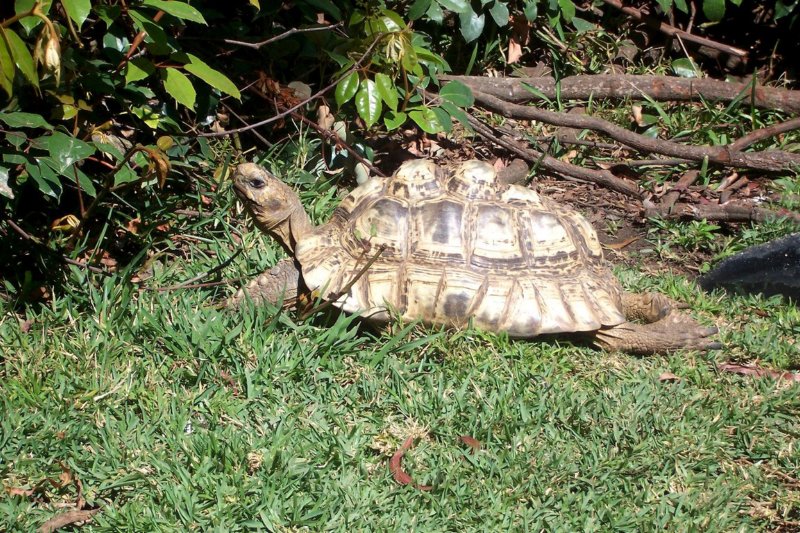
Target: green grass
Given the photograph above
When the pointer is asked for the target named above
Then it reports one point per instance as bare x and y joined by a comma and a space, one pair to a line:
178, 415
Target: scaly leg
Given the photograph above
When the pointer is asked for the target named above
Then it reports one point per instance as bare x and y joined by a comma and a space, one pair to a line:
278, 286
665, 329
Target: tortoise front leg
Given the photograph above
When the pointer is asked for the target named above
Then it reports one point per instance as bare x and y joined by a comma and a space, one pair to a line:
665, 329
278, 286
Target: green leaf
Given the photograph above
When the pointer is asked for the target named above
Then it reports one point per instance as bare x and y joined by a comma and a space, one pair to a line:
567, 9
368, 102
393, 120
19, 119
125, 175
16, 138
213, 77
347, 88
180, 10
681, 4
531, 10
426, 119
137, 69
83, 180
22, 57
78, 10
582, 26
418, 8
458, 114
108, 14
443, 118
6, 67
499, 12
392, 20
665, 5
435, 13
684, 68
153, 30
65, 150
714, 9
472, 25
24, 6
457, 93
45, 178
5, 190
387, 90
179, 87
456, 6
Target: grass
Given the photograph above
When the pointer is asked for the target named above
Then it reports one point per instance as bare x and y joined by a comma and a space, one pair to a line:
177, 415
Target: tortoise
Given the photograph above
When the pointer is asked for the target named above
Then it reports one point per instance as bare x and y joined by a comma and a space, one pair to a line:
453, 246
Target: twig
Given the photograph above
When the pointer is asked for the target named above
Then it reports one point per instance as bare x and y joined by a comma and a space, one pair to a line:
672, 31
190, 283
764, 133
329, 136
568, 170
63, 258
280, 36
311, 98
769, 160
671, 162
137, 41
243, 121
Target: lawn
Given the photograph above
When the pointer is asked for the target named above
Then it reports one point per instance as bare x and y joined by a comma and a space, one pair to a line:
173, 414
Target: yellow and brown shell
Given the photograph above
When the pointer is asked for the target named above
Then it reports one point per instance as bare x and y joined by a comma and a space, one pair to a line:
458, 245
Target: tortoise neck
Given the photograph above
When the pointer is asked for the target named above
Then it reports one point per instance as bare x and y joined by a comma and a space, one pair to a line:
292, 229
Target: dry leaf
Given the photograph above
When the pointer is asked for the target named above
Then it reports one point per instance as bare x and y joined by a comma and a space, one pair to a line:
67, 223
396, 468
133, 225
324, 117
472, 442
636, 111
66, 519
757, 371
668, 376
520, 36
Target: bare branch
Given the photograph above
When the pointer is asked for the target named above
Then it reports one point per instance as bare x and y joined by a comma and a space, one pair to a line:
311, 98
280, 36
769, 160
659, 88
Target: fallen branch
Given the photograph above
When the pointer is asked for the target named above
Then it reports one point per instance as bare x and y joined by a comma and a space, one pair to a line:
765, 133
659, 88
768, 160
672, 31
567, 170
685, 181
729, 212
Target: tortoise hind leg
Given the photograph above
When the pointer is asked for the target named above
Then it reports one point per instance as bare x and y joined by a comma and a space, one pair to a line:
278, 286
665, 329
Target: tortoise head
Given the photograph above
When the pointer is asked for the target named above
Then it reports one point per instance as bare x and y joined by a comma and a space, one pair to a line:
274, 206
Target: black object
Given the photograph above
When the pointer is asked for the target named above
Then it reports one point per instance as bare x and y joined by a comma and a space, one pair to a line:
771, 268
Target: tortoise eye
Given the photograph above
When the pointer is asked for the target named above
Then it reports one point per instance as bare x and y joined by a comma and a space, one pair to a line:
256, 183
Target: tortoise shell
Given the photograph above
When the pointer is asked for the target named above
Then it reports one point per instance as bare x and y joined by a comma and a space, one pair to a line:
454, 245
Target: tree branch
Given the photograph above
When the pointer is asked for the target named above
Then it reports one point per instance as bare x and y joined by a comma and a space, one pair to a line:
659, 88
768, 160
